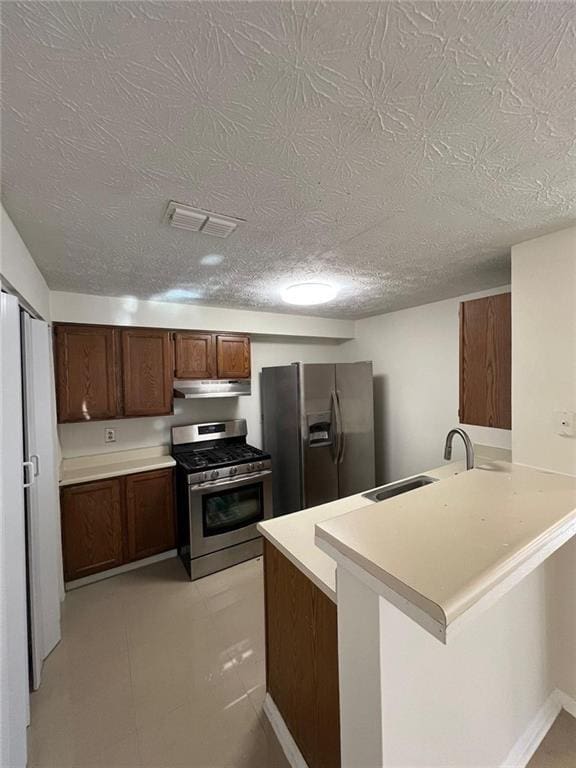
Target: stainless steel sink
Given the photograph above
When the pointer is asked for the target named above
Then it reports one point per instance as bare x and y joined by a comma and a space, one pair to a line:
402, 486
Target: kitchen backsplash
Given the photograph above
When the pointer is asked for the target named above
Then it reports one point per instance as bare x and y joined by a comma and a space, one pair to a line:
88, 438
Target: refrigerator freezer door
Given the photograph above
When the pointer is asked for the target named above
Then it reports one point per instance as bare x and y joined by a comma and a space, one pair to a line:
356, 467
281, 431
318, 431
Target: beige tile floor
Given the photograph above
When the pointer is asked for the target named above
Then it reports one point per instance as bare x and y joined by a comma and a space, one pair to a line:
156, 671
160, 672
558, 750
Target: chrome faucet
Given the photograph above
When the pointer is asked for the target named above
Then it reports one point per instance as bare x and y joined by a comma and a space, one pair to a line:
467, 445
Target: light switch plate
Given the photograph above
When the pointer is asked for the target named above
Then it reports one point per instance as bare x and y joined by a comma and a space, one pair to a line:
109, 435
565, 423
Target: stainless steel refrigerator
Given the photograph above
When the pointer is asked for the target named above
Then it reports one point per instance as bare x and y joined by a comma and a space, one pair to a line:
318, 425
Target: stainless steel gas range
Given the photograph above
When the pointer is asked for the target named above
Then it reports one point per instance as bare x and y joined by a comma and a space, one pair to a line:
224, 488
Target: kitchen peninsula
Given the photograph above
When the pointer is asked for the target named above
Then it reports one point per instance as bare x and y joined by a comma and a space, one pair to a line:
301, 629
447, 584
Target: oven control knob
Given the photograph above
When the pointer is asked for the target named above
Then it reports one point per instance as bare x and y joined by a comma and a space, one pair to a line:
233, 470
214, 474
260, 465
250, 467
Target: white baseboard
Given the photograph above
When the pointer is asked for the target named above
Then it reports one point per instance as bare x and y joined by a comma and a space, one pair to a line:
567, 702
293, 754
69, 585
518, 757
532, 737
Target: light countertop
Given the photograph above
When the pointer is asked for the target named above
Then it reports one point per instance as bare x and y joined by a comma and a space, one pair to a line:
84, 469
293, 534
440, 550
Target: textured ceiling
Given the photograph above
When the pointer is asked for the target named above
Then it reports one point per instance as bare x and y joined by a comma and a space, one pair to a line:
394, 149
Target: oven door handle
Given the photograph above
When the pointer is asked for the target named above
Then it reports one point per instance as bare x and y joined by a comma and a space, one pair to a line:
228, 482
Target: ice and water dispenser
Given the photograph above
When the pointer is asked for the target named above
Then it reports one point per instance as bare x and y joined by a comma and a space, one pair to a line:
319, 429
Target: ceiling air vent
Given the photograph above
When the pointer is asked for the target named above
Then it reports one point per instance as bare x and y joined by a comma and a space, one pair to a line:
197, 220
219, 227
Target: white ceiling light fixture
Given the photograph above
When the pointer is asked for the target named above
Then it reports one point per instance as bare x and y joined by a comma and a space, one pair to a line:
307, 294
184, 216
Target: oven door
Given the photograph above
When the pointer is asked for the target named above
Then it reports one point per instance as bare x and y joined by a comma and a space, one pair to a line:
226, 512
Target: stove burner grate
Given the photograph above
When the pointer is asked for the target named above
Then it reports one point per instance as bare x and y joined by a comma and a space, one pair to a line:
217, 456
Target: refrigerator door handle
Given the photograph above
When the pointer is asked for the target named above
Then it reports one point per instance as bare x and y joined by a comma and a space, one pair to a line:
35, 459
338, 424
341, 429
342, 438
29, 476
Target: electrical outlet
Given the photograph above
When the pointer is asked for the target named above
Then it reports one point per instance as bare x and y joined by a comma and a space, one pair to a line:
565, 423
109, 435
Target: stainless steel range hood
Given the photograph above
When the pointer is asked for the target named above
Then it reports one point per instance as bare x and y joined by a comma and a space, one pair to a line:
194, 388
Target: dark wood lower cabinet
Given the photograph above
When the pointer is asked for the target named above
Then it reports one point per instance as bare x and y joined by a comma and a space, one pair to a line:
92, 527
112, 522
150, 520
302, 659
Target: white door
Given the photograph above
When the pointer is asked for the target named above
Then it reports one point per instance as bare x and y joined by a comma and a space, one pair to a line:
42, 502
14, 686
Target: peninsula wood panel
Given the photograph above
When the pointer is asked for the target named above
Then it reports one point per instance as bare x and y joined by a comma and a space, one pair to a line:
302, 659
147, 370
195, 355
485, 361
92, 538
87, 371
233, 356
150, 518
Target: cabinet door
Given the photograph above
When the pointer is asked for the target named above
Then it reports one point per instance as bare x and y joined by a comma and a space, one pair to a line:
195, 358
485, 361
150, 518
86, 372
302, 659
233, 354
91, 528
147, 372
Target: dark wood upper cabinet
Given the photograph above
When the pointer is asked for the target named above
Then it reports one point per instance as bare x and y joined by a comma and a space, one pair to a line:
195, 356
87, 368
485, 361
147, 372
91, 528
233, 356
110, 373
150, 519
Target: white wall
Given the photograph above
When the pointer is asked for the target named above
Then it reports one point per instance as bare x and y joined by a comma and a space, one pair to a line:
83, 308
462, 705
87, 438
544, 349
544, 380
416, 366
20, 273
